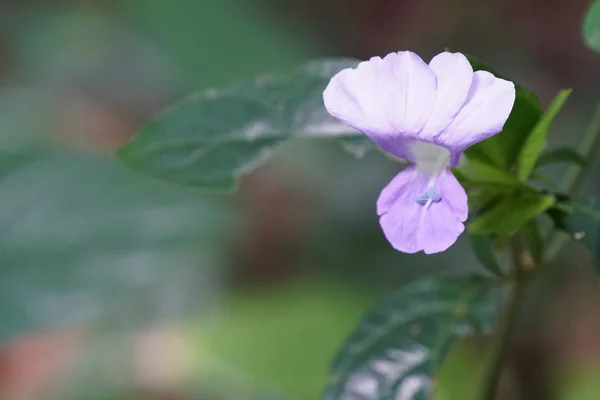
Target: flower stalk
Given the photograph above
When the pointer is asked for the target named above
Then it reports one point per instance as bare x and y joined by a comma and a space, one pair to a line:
507, 322
573, 178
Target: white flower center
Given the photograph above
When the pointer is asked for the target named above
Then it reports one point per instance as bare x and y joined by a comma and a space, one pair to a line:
431, 159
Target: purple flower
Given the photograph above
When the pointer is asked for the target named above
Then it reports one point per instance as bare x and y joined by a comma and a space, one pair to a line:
427, 115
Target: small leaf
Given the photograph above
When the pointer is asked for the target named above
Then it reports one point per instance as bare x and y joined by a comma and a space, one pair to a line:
211, 138
400, 345
536, 141
561, 155
484, 251
479, 172
591, 26
510, 214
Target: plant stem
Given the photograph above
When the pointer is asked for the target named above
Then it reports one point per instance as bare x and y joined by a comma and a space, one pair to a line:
500, 346
588, 148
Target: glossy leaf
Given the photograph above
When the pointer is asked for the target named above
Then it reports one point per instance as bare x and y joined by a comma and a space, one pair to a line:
536, 141
400, 345
83, 240
212, 137
509, 215
561, 155
502, 149
591, 26
483, 248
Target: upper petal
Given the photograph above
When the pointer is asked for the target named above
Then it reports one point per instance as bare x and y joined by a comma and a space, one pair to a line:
388, 99
454, 77
487, 107
411, 227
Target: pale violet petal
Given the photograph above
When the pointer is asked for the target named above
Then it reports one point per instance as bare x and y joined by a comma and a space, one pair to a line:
411, 226
453, 194
396, 189
388, 99
454, 77
486, 109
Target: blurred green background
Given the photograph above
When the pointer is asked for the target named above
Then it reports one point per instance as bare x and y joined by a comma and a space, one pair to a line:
116, 286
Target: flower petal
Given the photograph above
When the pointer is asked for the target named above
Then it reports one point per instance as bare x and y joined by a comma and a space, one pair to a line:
454, 77
411, 227
486, 109
388, 99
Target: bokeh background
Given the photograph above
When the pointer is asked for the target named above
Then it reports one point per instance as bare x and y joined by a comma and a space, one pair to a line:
115, 286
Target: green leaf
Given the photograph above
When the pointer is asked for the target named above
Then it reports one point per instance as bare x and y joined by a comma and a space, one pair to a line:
479, 173
83, 240
591, 26
582, 222
510, 214
561, 155
212, 137
483, 248
485, 182
536, 141
502, 149
399, 346
537, 177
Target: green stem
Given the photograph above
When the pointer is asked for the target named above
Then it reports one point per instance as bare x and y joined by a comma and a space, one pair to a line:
588, 148
573, 178
506, 325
